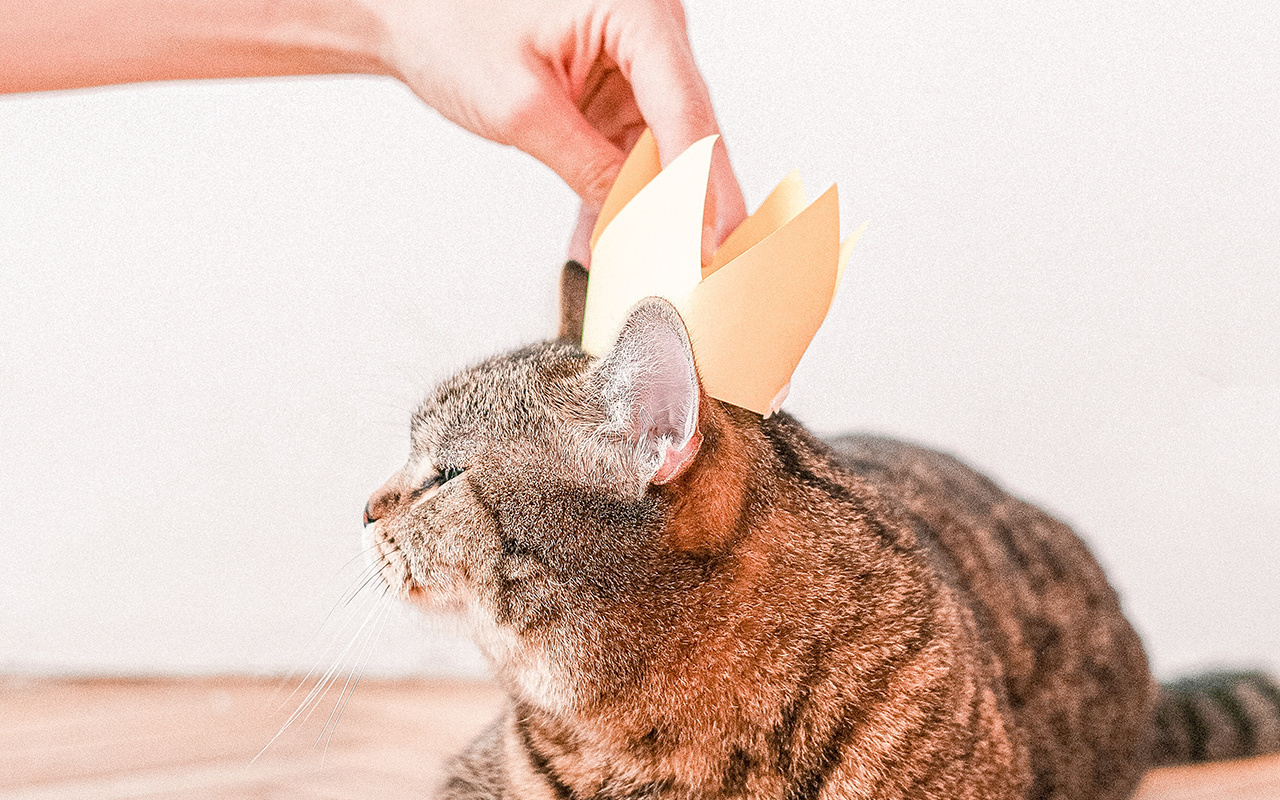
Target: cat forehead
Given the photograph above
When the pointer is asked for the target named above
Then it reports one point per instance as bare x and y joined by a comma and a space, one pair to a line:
515, 392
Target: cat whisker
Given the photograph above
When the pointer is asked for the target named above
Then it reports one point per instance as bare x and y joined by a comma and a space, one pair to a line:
362, 553
383, 563
326, 681
366, 576
345, 599
357, 672
322, 657
322, 684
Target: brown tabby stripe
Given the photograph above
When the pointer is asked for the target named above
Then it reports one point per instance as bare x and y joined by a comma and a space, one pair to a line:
909, 751
809, 784
780, 436
973, 712
1265, 693
1011, 549
782, 738
1170, 745
1227, 700
505, 611
1210, 717
741, 765
784, 732
1266, 687
1261, 697
1197, 729
540, 763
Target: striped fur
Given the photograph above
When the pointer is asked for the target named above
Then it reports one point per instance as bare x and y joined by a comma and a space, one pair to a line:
573, 301
786, 618
1216, 716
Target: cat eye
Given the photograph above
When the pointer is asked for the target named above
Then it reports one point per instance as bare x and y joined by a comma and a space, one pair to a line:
443, 476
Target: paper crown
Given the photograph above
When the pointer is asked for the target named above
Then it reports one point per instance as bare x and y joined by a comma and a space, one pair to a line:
753, 310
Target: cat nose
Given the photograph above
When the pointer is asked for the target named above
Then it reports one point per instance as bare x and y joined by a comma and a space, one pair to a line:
382, 501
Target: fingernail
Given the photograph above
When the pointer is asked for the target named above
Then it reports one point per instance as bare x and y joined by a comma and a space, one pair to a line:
709, 243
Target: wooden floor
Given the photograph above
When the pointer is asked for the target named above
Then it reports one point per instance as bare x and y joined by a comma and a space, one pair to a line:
195, 740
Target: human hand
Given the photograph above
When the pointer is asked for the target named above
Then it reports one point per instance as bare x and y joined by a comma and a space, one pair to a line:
573, 83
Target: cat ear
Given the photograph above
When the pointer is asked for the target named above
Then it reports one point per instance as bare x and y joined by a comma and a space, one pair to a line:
651, 389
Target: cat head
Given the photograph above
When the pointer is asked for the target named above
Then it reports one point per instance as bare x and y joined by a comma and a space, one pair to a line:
559, 505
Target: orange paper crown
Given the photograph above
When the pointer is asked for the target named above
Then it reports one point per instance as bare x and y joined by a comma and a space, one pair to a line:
753, 310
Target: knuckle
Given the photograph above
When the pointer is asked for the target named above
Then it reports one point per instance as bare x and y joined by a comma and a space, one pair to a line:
517, 112
595, 177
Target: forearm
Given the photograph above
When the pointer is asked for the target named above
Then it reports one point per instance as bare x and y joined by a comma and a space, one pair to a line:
66, 44
515, 71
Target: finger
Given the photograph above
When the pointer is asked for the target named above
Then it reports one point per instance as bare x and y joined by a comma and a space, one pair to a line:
609, 105
553, 130
655, 58
580, 241
652, 51
724, 200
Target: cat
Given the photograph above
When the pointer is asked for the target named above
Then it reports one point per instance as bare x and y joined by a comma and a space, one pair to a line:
685, 600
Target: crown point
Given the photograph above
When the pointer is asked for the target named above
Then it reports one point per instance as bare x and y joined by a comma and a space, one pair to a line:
754, 309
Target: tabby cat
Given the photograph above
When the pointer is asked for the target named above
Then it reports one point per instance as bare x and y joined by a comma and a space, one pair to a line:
684, 600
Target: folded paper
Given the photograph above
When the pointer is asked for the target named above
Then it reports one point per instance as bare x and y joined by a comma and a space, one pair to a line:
753, 310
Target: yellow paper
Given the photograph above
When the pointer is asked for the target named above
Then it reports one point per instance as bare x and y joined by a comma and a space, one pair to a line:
752, 312
769, 303
780, 207
652, 246
639, 168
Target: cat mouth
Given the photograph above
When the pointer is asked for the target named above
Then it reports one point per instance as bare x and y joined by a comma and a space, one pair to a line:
394, 569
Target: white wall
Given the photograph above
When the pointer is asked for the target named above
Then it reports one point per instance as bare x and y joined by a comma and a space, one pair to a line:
219, 302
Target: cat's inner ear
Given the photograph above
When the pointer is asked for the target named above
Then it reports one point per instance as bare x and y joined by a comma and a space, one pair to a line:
650, 388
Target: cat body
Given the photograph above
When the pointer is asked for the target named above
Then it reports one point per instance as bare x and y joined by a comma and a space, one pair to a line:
684, 600
860, 650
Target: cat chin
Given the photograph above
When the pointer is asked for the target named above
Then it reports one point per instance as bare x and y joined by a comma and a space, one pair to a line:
543, 689
441, 606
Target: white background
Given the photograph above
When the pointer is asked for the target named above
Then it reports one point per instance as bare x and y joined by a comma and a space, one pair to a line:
219, 302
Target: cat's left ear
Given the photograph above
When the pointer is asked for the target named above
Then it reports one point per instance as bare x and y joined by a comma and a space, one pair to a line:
651, 391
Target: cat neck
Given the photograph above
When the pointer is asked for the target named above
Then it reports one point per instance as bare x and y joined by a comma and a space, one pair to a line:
708, 672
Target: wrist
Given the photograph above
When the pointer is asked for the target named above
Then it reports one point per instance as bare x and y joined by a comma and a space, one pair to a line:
263, 38
317, 37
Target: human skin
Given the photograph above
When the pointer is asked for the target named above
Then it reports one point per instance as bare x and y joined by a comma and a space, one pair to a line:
571, 82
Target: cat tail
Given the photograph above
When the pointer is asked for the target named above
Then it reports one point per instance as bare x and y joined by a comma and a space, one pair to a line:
1216, 716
